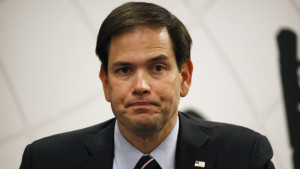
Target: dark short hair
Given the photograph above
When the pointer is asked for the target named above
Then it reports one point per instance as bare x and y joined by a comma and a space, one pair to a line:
133, 14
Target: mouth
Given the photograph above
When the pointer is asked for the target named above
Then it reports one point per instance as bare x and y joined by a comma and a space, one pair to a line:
141, 104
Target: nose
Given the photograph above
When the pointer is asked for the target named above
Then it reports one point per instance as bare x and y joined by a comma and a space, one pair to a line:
141, 86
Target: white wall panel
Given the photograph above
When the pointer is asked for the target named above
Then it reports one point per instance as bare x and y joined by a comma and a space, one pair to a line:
246, 31
48, 52
214, 91
95, 11
279, 138
95, 111
10, 122
11, 152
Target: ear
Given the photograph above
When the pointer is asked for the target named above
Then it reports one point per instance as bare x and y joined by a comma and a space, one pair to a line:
186, 77
104, 80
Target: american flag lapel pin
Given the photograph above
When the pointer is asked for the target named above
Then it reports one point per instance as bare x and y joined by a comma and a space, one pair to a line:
200, 164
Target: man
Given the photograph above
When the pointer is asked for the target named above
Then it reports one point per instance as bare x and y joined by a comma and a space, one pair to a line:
146, 68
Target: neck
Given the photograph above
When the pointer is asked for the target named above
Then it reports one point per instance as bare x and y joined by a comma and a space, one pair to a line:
147, 143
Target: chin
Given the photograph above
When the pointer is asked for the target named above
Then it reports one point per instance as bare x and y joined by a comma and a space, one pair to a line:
145, 124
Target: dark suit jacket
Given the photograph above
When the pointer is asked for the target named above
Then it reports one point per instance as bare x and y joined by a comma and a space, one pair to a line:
220, 146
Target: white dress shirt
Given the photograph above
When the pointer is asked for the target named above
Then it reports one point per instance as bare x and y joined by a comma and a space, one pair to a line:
126, 155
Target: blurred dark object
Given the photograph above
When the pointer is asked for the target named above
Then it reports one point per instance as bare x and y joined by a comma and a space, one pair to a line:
289, 67
194, 114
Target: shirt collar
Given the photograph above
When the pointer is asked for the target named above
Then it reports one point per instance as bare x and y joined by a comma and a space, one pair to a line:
126, 155
164, 154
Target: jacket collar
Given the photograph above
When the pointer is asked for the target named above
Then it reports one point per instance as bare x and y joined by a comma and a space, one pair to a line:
190, 144
101, 149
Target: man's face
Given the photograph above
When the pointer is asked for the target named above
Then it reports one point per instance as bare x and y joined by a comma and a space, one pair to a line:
143, 83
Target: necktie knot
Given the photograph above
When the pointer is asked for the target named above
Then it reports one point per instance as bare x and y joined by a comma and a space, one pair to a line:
147, 162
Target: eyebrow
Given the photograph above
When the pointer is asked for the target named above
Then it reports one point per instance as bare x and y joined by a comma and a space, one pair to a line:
121, 64
159, 58
155, 59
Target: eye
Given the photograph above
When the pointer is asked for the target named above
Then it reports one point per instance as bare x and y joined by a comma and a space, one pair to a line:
123, 70
158, 68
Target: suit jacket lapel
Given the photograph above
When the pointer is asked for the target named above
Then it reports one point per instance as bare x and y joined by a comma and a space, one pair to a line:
101, 149
190, 145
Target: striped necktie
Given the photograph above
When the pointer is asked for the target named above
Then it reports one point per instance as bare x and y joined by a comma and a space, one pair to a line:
147, 162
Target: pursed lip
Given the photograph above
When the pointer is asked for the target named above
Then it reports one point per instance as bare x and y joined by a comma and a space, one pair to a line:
141, 104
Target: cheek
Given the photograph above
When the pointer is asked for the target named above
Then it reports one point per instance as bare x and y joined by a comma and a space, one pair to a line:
117, 91
169, 89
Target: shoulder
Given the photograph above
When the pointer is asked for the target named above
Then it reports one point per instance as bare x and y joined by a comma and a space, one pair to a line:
65, 150
217, 129
69, 139
226, 137
230, 142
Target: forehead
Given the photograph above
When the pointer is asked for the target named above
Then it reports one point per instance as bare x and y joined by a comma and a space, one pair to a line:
142, 42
